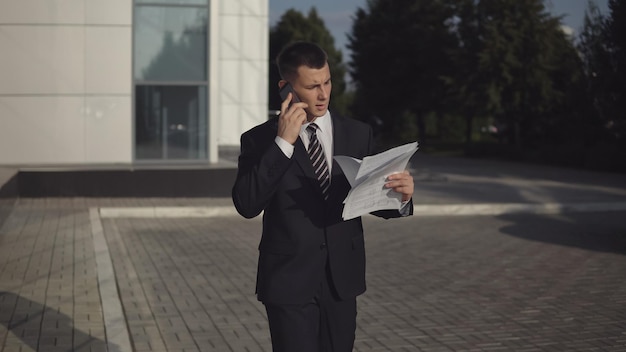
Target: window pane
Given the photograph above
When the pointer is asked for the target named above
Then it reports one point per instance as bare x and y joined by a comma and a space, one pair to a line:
171, 122
173, 2
170, 43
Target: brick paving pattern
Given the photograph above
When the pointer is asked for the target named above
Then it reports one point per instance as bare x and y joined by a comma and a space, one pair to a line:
187, 284
512, 282
49, 298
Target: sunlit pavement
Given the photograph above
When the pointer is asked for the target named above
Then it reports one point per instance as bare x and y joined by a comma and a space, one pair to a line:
499, 257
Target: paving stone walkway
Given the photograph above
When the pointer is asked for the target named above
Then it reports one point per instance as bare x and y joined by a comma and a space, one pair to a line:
81, 274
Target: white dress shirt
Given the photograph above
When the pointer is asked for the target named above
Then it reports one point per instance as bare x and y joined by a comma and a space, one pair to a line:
325, 136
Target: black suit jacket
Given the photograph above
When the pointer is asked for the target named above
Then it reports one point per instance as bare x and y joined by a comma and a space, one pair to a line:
300, 228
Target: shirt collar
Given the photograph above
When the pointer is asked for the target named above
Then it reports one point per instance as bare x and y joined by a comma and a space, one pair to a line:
323, 123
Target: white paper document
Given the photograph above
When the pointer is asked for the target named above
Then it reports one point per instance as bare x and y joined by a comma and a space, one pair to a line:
368, 177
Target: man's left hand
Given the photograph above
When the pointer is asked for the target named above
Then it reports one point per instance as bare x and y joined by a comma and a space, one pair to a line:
402, 183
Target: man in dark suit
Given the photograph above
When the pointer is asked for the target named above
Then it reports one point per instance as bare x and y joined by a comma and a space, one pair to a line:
312, 262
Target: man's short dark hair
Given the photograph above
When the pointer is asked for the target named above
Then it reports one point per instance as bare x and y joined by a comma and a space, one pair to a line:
299, 54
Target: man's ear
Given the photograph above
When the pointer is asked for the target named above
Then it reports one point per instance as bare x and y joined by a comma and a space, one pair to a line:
281, 83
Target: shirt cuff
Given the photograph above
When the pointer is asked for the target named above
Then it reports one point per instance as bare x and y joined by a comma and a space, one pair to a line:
285, 146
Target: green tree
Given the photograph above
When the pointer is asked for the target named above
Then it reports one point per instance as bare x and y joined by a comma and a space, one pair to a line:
400, 59
518, 60
470, 84
295, 26
602, 47
616, 43
594, 49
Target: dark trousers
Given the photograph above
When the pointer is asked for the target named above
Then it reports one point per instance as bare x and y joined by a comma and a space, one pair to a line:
326, 324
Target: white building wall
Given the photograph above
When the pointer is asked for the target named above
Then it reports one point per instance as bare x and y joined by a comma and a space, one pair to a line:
65, 82
66, 78
243, 61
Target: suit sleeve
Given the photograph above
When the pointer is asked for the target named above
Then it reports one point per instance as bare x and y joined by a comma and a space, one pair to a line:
261, 166
388, 214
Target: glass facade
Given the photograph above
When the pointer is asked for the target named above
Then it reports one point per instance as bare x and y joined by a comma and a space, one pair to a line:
170, 122
170, 59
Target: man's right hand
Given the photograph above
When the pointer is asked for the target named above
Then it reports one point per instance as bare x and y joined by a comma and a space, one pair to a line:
291, 119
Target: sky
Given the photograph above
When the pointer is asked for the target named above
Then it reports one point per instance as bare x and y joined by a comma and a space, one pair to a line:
337, 14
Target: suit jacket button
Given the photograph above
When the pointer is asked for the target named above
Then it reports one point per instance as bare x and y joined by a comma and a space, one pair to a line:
323, 245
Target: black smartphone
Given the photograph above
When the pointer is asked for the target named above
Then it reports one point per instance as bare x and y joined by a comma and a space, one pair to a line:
284, 91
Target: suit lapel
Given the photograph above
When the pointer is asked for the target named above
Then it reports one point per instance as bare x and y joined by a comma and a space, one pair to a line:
301, 157
340, 147
340, 142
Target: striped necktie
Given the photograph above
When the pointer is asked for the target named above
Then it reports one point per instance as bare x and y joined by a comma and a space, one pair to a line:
318, 159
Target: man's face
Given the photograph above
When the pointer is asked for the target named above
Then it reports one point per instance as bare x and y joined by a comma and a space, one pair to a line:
313, 87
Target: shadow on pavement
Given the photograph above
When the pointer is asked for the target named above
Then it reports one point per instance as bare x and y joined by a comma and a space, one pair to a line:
43, 328
6, 207
603, 232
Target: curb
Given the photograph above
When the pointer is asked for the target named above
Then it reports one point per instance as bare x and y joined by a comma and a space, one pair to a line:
419, 210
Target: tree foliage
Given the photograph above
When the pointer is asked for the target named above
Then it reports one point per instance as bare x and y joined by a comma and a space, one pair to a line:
529, 64
295, 26
603, 48
507, 60
616, 35
400, 57
504, 62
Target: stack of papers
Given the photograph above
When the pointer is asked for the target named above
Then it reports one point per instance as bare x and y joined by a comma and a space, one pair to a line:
368, 177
